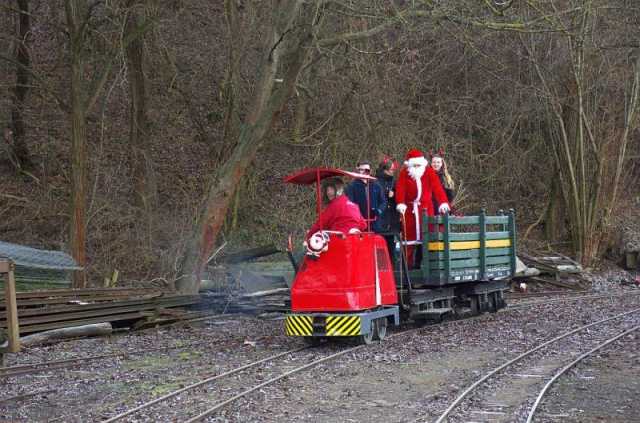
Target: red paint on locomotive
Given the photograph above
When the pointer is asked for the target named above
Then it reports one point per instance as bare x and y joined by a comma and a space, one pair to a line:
344, 277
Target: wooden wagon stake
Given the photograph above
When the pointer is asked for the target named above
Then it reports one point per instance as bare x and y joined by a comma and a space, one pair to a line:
6, 269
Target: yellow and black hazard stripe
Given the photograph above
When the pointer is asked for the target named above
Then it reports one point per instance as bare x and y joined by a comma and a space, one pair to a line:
299, 325
347, 325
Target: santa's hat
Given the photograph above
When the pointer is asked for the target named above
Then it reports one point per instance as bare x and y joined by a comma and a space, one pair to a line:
415, 157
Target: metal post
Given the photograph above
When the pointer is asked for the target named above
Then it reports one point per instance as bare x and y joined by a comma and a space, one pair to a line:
512, 233
483, 245
426, 266
318, 194
447, 256
11, 306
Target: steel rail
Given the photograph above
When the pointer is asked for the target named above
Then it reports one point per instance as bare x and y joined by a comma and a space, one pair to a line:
307, 366
551, 381
200, 383
34, 368
571, 298
45, 366
216, 407
527, 353
271, 381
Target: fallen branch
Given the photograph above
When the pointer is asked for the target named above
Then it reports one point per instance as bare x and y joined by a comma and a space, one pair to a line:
98, 329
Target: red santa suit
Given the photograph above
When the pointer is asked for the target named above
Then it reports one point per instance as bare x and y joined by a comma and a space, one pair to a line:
340, 215
416, 185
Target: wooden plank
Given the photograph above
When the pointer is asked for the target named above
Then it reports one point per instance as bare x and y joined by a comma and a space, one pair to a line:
87, 292
469, 236
455, 220
475, 253
5, 266
497, 220
68, 308
12, 309
71, 323
62, 300
101, 312
466, 263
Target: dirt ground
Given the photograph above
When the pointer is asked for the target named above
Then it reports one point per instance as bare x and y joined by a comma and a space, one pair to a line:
411, 377
606, 388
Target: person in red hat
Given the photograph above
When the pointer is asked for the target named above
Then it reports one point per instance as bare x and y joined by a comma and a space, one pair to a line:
416, 185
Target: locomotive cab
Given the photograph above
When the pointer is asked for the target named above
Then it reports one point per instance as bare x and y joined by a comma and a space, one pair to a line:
349, 290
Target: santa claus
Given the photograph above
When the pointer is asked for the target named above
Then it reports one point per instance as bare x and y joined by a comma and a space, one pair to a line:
417, 185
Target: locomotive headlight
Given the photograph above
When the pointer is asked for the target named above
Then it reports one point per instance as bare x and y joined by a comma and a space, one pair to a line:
318, 242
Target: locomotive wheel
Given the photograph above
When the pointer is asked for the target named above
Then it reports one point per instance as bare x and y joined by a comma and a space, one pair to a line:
381, 328
368, 338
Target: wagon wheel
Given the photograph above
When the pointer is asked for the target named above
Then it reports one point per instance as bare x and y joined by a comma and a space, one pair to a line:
381, 328
493, 302
475, 305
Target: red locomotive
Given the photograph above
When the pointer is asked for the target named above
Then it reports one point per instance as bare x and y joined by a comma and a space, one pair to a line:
355, 287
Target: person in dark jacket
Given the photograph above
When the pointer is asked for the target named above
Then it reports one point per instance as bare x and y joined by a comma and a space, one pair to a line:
358, 191
390, 220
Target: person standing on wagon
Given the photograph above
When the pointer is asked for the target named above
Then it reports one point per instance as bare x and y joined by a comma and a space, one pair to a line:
439, 165
369, 197
416, 185
389, 221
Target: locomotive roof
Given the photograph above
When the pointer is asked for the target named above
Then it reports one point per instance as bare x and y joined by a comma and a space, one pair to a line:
312, 175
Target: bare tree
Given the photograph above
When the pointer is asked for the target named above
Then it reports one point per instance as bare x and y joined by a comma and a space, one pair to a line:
21, 88
143, 171
588, 131
84, 95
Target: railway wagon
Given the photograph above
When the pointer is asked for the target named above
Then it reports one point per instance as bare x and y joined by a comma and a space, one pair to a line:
357, 287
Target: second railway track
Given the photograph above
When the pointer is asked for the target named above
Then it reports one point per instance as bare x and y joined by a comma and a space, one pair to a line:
483, 400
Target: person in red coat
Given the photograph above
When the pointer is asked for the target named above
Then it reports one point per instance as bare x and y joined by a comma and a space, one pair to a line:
416, 185
340, 214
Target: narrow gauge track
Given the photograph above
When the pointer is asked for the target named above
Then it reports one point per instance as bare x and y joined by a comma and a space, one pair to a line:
562, 371
474, 387
521, 295
45, 366
228, 373
210, 411
569, 299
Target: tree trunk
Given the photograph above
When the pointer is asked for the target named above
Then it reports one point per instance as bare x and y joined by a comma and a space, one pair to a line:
97, 329
20, 151
286, 50
75, 12
145, 186
231, 86
554, 221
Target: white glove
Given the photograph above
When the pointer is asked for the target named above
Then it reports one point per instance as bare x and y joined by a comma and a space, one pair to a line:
444, 208
401, 208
